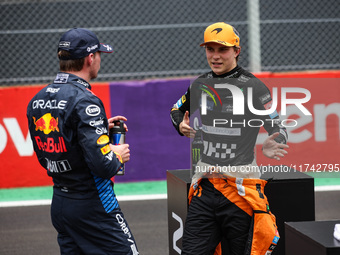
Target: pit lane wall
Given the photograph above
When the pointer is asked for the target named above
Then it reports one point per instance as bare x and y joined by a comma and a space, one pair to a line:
155, 145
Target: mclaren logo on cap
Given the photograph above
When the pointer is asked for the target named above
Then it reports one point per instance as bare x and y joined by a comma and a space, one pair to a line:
217, 30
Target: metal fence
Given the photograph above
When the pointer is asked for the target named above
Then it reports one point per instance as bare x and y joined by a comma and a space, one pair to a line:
160, 38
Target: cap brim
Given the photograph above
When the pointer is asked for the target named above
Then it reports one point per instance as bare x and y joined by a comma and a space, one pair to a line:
106, 48
219, 42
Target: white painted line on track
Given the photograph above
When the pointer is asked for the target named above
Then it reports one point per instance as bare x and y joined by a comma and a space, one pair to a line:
327, 188
133, 198
25, 203
142, 197
48, 201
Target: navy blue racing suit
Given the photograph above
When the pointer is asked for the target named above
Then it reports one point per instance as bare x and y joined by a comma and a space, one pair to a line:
69, 130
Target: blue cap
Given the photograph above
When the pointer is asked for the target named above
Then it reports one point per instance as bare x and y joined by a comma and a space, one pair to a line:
80, 42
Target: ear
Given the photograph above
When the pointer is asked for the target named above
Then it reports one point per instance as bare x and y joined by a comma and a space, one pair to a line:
89, 59
238, 51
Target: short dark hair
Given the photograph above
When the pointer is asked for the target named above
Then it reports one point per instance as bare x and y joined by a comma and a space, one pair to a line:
236, 48
71, 64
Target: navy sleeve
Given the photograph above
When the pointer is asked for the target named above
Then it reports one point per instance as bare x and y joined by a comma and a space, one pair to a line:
92, 132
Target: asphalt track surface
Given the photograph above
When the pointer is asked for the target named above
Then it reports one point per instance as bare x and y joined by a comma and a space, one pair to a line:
28, 230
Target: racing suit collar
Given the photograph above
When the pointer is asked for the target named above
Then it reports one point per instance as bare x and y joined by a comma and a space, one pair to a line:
231, 74
63, 77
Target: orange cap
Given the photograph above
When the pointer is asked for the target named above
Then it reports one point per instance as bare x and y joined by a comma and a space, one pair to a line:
221, 33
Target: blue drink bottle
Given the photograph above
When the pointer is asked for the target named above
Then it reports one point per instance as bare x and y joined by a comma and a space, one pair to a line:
117, 136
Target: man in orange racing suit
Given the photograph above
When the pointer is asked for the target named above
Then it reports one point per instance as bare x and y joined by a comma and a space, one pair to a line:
226, 196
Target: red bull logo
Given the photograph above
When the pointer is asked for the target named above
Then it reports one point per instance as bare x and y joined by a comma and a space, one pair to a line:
46, 124
50, 145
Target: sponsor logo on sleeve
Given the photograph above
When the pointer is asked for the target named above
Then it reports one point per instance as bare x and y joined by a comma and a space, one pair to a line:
105, 150
265, 99
94, 123
119, 157
101, 130
181, 101
109, 156
92, 110
104, 139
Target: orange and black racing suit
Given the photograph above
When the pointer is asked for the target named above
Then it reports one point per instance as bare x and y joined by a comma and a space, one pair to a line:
229, 206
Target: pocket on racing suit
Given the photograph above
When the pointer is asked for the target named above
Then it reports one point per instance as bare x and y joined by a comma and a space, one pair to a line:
263, 233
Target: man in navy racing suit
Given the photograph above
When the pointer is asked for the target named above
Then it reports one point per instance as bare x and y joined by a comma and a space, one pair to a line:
226, 196
69, 130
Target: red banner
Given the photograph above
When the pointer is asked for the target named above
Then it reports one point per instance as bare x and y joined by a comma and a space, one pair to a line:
19, 166
314, 139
